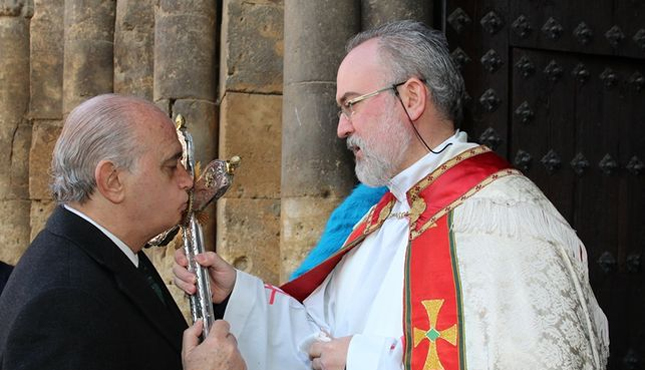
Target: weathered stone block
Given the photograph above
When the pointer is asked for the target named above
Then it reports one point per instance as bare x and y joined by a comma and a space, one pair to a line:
377, 12
315, 162
134, 37
20, 160
90, 20
16, 8
40, 212
184, 56
249, 235
43, 140
14, 170
14, 70
315, 37
206, 8
14, 229
252, 46
164, 105
47, 59
201, 119
251, 128
303, 220
88, 68
88, 72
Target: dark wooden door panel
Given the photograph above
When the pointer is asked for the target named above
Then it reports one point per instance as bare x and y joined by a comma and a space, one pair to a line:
542, 141
558, 88
610, 196
601, 27
478, 35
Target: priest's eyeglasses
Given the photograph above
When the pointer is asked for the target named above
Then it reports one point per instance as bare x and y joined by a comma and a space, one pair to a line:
347, 108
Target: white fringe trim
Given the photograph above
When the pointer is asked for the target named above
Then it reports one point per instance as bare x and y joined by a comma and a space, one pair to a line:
514, 207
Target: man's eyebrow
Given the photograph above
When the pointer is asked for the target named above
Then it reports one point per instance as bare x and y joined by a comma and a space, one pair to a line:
174, 158
346, 96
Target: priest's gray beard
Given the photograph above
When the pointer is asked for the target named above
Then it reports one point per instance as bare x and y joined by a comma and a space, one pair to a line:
382, 151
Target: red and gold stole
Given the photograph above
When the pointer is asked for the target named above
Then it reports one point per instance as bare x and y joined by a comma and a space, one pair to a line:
433, 323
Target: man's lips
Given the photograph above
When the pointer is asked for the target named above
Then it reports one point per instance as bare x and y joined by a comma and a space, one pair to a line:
353, 147
356, 150
184, 206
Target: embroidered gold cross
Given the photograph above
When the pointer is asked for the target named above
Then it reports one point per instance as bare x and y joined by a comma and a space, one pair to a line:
433, 334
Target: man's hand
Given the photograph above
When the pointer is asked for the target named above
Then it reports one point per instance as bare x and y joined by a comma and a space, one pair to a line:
217, 352
222, 274
330, 355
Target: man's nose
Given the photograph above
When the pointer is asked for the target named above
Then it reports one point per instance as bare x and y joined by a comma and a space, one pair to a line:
185, 180
345, 127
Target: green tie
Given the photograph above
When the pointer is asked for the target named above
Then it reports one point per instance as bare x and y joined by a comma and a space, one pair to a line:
146, 270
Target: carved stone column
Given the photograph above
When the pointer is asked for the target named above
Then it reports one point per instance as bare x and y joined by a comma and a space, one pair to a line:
317, 172
377, 12
15, 129
46, 107
248, 217
89, 42
185, 73
134, 36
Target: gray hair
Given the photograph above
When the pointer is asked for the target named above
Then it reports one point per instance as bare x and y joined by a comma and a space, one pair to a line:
410, 49
101, 128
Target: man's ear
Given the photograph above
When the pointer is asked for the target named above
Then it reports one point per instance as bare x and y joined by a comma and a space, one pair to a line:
414, 95
109, 181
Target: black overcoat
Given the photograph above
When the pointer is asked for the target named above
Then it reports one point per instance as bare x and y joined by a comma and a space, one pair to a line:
75, 301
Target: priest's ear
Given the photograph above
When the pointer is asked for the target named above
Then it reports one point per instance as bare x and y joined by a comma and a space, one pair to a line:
414, 96
109, 181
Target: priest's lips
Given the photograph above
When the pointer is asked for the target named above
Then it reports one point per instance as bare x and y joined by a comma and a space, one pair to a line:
354, 145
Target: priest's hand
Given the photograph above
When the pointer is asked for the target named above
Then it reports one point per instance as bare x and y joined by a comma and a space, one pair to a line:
222, 275
217, 352
331, 355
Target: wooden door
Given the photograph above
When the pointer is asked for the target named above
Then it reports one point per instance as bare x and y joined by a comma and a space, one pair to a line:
558, 88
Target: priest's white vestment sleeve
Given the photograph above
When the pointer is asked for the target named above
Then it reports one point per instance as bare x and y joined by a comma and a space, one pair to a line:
274, 331
269, 325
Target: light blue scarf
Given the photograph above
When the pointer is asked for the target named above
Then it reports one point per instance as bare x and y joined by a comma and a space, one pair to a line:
340, 224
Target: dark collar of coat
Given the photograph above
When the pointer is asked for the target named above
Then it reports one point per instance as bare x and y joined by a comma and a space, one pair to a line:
82, 234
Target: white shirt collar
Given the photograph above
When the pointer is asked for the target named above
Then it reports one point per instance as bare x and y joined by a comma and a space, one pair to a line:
402, 182
122, 246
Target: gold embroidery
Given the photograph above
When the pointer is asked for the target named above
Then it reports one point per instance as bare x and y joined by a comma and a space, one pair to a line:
417, 208
433, 306
448, 165
382, 216
398, 215
431, 222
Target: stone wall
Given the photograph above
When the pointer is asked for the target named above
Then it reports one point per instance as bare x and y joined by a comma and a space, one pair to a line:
222, 64
248, 222
58, 53
15, 128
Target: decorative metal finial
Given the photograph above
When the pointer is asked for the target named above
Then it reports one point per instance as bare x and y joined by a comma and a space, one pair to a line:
232, 164
180, 122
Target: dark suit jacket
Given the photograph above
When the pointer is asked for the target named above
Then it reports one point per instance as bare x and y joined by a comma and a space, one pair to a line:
75, 301
5, 271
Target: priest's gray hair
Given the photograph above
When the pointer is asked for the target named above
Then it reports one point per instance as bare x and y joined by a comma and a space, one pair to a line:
101, 128
410, 49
